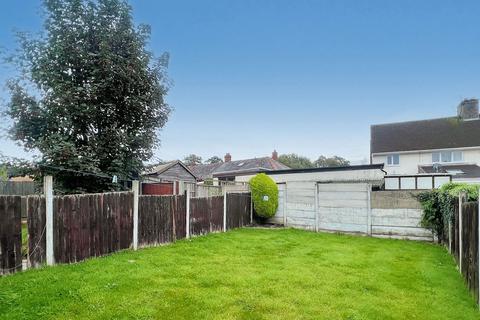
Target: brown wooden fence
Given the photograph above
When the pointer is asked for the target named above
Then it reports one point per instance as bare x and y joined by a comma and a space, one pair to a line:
180, 216
206, 215
84, 226
238, 208
18, 188
90, 225
10, 234
36, 230
161, 219
470, 246
467, 257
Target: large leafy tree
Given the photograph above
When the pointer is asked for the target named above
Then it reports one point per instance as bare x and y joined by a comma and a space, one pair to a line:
334, 161
295, 161
90, 96
192, 160
3, 173
214, 159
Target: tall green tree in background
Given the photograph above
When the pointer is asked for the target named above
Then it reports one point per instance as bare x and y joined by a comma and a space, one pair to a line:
90, 96
192, 160
334, 161
295, 161
214, 159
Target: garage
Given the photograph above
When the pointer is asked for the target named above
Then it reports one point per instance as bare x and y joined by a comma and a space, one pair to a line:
343, 206
333, 199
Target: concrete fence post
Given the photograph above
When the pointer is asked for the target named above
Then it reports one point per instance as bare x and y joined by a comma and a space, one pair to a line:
478, 248
251, 208
460, 231
181, 187
136, 191
224, 209
316, 207
48, 192
369, 209
450, 235
187, 218
285, 209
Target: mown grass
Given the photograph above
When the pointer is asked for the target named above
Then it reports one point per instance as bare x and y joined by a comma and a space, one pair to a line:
249, 274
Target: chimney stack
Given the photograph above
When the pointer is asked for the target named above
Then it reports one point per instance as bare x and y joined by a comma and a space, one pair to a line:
275, 155
228, 157
468, 109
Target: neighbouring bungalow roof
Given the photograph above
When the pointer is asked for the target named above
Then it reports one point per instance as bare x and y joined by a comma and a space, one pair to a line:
204, 171
443, 133
160, 168
237, 167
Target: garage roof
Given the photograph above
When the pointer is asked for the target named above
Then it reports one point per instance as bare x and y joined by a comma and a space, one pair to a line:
326, 169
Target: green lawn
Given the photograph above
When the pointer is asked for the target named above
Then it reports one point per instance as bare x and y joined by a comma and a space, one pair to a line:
249, 274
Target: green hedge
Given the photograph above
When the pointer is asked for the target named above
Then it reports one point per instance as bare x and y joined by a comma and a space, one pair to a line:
438, 205
264, 195
454, 189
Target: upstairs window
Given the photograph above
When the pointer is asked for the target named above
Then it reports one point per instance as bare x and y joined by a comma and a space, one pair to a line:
393, 159
447, 156
457, 156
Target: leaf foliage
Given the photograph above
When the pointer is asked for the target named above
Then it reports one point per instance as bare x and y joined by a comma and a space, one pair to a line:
90, 96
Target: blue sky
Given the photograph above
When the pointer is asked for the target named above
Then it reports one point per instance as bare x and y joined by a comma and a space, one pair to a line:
308, 77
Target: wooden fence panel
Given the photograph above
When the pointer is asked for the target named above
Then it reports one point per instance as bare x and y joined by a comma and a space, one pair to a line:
155, 219
90, 225
36, 230
216, 214
179, 207
206, 215
10, 234
238, 210
199, 216
470, 246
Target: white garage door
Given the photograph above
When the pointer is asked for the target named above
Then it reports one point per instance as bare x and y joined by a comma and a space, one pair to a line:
342, 206
279, 217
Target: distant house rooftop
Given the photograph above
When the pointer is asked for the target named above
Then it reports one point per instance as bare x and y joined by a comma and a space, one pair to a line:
453, 132
231, 168
170, 171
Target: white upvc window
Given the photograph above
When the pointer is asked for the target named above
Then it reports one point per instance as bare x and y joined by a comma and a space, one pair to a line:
393, 159
447, 156
457, 156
